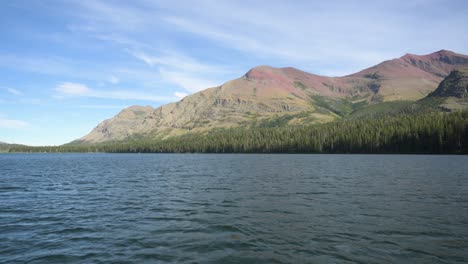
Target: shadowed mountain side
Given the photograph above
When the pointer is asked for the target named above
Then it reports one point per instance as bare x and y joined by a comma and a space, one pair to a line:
453, 90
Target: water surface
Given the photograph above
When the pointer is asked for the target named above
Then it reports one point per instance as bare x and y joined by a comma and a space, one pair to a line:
198, 208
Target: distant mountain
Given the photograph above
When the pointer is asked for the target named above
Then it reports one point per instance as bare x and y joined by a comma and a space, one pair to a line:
4, 147
267, 97
412, 77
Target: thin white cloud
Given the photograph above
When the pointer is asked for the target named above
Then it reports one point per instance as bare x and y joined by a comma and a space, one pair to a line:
95, 71
51, 65
11, 90
73, 89
113, 79
117, 16
13, 123
31, 101
68, 89
183, 71
264, 30
180, 95
14, 91
187, 81
151, 61
322, 37
122, 25
179, 61
102, 106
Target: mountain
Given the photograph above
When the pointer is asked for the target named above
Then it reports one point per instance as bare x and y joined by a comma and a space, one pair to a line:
261, 95
455, 85
266, 97
453, 90
4, 147
412, 77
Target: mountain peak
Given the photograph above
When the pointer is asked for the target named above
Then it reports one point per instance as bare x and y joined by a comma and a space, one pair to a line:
260, 72
135, 110
442, 54
436, 54
138, 108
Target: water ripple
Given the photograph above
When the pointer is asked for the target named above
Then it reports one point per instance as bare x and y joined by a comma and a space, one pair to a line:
162, 208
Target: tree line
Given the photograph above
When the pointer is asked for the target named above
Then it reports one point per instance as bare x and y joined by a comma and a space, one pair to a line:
434, 132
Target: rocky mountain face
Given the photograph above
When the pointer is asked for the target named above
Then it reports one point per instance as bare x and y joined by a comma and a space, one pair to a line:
453, 90
455, 85
268, 96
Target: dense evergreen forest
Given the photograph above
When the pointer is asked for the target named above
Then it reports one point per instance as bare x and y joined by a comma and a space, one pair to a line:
429, 132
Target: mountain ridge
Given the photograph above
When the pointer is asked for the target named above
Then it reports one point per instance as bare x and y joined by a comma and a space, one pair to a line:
266, 93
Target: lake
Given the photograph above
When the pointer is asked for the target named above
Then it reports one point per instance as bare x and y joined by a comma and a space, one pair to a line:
239, 208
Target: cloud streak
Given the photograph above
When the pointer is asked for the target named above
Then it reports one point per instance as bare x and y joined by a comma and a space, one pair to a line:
14, 91
70, 89
183, 71
322, 37
180, 95
13, 123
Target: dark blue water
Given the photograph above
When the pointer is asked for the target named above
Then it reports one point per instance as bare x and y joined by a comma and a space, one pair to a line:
99, 208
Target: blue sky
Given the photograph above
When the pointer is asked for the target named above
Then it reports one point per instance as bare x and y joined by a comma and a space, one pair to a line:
67, 65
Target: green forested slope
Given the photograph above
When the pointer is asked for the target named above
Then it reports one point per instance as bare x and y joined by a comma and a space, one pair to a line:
425, 132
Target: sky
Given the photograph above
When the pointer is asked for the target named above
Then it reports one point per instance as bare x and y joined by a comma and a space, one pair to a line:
65, 66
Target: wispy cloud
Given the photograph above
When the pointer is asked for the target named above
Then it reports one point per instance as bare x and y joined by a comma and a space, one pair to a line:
188, 81
179, 61
50, 65
131, 28
13, 123
14, 91
73, 89
180, 95
11, 90
330, 36
102, 106
69, 89
183, 71
317, 34
113, 79
124, 17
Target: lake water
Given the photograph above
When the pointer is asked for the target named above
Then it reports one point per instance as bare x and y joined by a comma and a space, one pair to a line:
199, 208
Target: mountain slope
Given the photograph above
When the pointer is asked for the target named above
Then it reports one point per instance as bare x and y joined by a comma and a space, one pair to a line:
453, 90
263, 93
412, 77
267, 96
450, 95
455, 85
